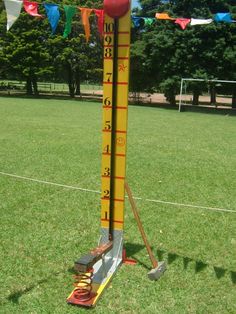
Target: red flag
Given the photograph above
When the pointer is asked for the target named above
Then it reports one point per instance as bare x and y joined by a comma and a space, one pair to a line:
100, 16
31, 8
182, 22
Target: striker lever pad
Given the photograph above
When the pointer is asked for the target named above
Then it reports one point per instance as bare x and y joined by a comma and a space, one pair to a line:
87, 261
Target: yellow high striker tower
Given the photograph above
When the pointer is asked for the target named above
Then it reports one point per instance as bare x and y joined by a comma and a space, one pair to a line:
95, 270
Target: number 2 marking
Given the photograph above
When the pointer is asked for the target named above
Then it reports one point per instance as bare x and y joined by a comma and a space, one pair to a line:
106, 193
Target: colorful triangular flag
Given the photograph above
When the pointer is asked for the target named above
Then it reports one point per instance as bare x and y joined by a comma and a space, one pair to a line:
182, 22
200, 21
70, 12
100, 21
31, 8
163, 16
85, 13
223, 17
53, 15
13, 8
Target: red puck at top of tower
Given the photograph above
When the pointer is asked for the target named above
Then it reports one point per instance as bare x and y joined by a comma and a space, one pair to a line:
116, 8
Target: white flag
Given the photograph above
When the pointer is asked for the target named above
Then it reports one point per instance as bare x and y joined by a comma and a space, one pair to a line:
13, 8
200, 21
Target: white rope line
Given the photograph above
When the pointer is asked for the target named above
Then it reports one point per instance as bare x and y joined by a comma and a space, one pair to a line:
193, 206
98, 192
49, 183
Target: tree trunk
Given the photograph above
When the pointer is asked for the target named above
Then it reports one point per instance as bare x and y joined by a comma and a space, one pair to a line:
29, 90
170, 97
77, 83
234, 99
195, 98
213, 95
70, 81
35, 85
71, 90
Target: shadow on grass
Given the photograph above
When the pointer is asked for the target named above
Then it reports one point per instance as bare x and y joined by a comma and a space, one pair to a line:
132, 249
15, 296
199, 265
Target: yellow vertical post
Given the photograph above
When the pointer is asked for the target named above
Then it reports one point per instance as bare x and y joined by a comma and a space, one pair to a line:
121, 81
114, 140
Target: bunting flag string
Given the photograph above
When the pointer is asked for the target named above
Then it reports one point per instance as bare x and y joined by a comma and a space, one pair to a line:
183, 22
13, 9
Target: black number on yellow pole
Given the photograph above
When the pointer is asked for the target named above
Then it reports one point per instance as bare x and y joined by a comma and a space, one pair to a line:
109, 27
109, 76
107, 125
107, 102
108, 53
106, 193
108, 40
107, 172
107, 149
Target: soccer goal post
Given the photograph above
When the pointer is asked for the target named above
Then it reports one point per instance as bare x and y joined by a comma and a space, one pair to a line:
185, 81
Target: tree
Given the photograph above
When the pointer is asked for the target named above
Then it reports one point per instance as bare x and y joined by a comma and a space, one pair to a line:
23, 54
30, 52
206, 51
74, 59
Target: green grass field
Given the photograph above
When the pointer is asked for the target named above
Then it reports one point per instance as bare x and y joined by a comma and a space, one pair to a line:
185, 158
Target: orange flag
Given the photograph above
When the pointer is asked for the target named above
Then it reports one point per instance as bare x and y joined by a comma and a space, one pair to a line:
85, 13
163, 16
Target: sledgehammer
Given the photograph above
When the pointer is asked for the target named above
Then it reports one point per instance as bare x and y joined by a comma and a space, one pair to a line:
158, 268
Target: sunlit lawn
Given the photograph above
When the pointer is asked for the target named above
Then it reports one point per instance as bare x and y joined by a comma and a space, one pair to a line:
186, 158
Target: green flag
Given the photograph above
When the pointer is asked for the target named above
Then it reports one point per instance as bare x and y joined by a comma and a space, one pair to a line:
70, 12
148, 21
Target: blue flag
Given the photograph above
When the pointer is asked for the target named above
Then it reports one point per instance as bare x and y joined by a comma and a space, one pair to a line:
223, 17
137, 21
53, 15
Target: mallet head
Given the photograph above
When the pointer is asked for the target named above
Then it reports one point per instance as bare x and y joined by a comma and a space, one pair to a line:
157, 272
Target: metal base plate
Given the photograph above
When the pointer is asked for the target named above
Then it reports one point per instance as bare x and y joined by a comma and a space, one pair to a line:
104, 270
